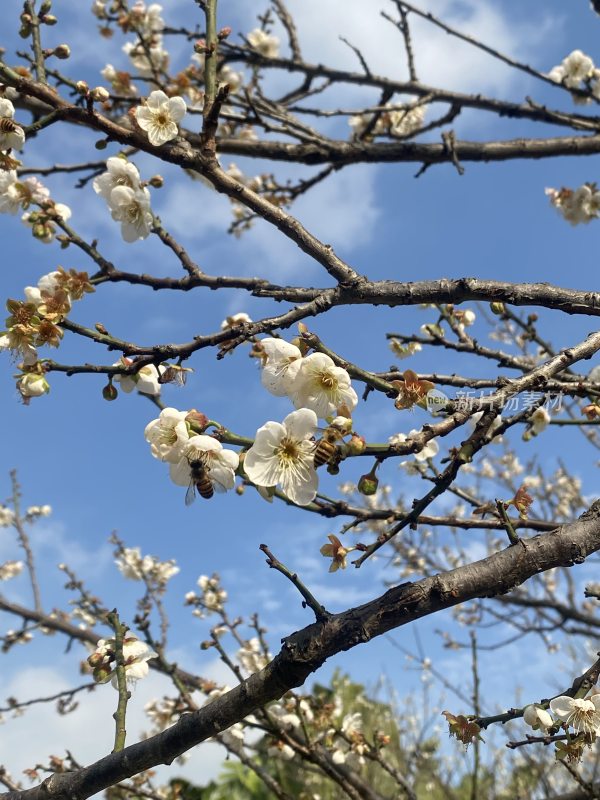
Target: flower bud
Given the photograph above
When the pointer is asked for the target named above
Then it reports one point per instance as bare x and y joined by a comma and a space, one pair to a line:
102, 673
197, 419
62, 51
200, 46
156, 181
101, 144
100, 94
95, 659
110, 392
497, 308
49, 19
82, 87
224, 33
333, 469
356, 445
367, 484
45, 7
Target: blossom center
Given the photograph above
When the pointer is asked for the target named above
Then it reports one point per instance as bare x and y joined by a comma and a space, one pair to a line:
288, 450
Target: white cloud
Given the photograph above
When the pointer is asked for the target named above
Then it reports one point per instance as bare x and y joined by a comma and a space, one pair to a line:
87, 732
439, 57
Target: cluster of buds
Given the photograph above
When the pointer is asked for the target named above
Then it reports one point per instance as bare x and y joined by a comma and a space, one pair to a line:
44, 17
35, 321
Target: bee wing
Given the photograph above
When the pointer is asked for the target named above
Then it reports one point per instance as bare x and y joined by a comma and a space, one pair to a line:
190, 495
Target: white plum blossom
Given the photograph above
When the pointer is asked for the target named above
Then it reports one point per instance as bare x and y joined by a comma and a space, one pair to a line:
145, 58
159, 117
235, 319
220, 464
251, 656
406, 122
10, 569
38, 511
399, 122
583, 715
147, 20
7, 517
119, 172
16, 193
430, 449
133, 566
282, 454
264, 43
537, 718
47, 285
322, 387
402, 351
281, 367
577, 206
145, 380
131, 207
286, 719
213, 596
167, 435
231, 77
14, 138
19, 346
32, 384
136, 655
280, 750
119, 80
540, 419
573, 69
352, 724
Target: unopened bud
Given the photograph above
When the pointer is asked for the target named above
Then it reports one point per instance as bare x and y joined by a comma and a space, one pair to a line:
82, 87
62, 51
25, 31
49, 19
497, 308
197, 419
100, 94
356, 445
102, 674
157, 181
206, 644
224, 33
200, 46
95, 660
101, 144
240, 489
39, 230
110, 392
45, 7
367, 484
333, 469
64, 241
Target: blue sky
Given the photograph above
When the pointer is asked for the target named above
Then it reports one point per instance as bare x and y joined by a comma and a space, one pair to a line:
88, 458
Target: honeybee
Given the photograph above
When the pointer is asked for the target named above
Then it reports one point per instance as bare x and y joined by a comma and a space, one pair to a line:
200, 480
8, 125
326, 447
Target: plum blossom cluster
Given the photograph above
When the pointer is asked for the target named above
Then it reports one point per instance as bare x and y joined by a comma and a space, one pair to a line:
195, 460
577, 71
10, 569
396, 123
311, 382
212, 598
128, 199
21, 193
146, 380
579, 716
35, 322
577, 206
264, 43
136, 655
136, 567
